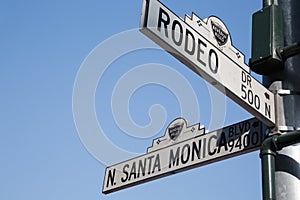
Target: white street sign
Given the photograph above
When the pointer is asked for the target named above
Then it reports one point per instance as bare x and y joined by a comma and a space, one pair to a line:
206, 48
184, 147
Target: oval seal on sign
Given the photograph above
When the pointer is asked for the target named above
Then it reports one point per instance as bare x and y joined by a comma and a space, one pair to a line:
175, 129
220, 34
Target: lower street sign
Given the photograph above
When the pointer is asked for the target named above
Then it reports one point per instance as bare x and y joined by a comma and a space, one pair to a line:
184, 147
206, 48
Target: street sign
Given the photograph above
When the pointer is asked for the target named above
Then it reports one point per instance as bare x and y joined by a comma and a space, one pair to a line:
205, 47
182, 148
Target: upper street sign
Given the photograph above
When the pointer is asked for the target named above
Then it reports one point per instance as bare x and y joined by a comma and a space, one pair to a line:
184, 147
205, 47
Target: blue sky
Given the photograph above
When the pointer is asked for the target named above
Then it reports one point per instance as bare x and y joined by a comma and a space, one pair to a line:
44, 45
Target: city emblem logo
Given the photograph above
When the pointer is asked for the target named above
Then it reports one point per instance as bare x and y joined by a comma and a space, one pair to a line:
175, 130
220, 34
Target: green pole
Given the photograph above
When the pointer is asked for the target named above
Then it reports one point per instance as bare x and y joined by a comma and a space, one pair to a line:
275, 55
286, 85
268, 154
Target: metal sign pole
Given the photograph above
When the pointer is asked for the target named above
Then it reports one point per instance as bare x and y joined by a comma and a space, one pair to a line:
287, 163
268, 154
285, 83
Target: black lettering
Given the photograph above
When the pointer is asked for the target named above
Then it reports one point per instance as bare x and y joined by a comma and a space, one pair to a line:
213, 54
244, 79
241, 127
156, 164
250, 96
174, 158
222, 142
230, 144
243, 88
124, 179
246, 140
186, 46
196, 150
150, 164
201, 51
257, 102
111, 178
249, 80
247, 126
204, 148
132, 171
267, 110
239, 143
185, 154
165, 21
141, 168
174, 25
208, 146
231, 131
